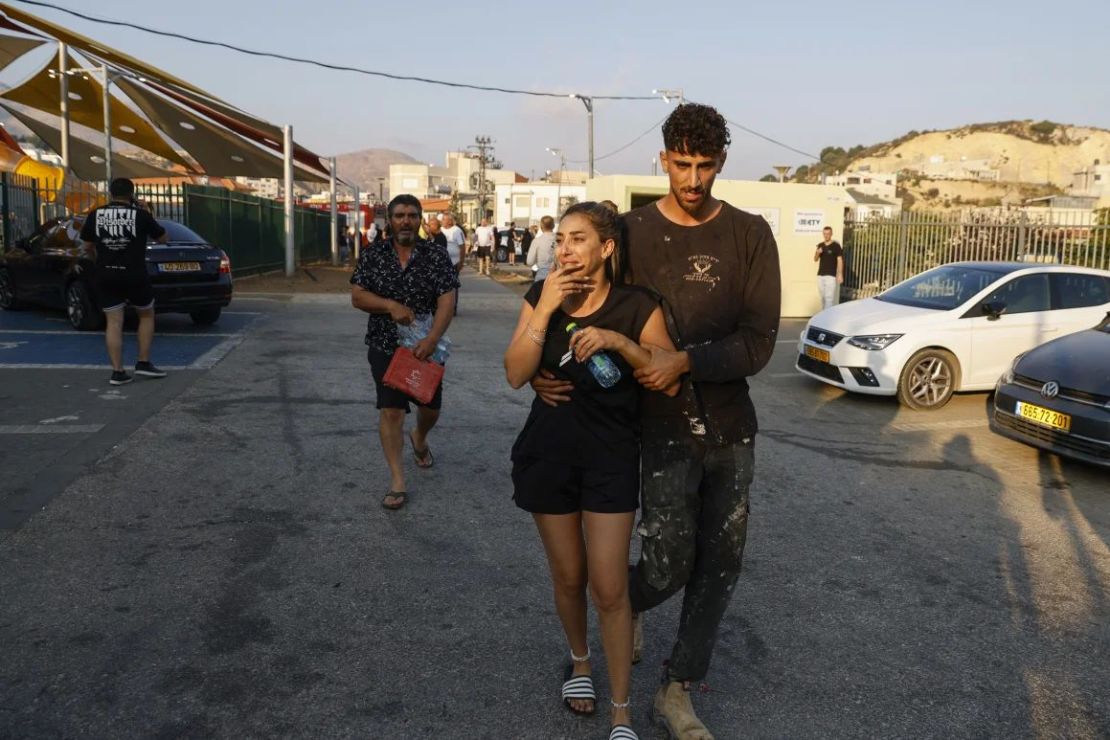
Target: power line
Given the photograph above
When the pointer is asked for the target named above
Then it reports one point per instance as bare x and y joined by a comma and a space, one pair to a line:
621, 149
328, 65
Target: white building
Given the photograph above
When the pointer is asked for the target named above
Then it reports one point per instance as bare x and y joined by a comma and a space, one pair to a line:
263, 187
461, 173
938, 168
1093, 180
880, 184
865, 205
525, 203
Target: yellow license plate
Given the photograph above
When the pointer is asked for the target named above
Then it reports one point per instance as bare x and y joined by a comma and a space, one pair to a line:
1043, 416
179, 266
817, 354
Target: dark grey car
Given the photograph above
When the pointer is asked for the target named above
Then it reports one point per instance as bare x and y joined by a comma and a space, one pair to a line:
1057, 397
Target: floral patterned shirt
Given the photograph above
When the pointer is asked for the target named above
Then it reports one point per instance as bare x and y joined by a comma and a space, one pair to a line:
428, 275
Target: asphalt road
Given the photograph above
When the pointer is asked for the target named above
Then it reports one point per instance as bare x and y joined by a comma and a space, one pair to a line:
226, 570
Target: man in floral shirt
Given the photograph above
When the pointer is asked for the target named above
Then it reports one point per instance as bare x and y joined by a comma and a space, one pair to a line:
395, 281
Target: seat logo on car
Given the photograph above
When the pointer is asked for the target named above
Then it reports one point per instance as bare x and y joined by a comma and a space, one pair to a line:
1050, 389
821, 337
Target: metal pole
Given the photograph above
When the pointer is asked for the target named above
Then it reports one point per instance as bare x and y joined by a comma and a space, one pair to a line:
63, 82
334, 217
107, 126
290, 267
589, 103
357, 238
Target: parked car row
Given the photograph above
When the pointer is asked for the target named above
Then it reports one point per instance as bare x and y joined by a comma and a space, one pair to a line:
53, 268
1024, 331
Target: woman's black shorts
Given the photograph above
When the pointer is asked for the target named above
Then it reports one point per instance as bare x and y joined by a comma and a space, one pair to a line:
484, 252
544, 487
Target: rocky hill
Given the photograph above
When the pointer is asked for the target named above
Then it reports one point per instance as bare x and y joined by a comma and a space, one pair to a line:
1020, 151
363, 167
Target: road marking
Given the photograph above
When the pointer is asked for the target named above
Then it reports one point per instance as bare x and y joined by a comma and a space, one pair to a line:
57, 419
931, 426
50, 428
786, 375
77, 366
11, 345
211, 357
93, 334
786, 341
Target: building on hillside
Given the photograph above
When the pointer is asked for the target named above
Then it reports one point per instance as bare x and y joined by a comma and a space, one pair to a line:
525, 203
1093, 180
879, 184
1084, 203
938, 168
461, 173
865, 205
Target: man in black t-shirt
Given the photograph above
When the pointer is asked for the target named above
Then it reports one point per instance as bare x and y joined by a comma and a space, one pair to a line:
830, 269
716, 269
119, 232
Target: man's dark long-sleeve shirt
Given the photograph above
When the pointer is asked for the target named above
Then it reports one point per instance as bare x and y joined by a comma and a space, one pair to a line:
720, 281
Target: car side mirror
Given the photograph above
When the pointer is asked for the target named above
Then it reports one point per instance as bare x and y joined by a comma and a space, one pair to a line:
993, 309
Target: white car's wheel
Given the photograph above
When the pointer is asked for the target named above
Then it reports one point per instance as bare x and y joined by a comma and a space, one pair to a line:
929, 379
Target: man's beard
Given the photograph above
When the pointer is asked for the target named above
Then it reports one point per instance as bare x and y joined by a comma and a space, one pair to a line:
406, 240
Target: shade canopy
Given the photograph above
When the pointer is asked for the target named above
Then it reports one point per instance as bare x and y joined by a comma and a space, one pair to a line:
86, 159
218, 151
13, 47
86, 106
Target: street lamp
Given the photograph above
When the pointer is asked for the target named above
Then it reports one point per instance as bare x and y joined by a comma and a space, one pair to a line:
668, 92
556, 152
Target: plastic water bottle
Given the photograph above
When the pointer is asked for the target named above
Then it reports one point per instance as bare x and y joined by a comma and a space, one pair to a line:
410, 334
601, 365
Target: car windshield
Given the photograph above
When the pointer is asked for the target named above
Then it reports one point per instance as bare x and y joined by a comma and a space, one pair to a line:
942, 288
176, 232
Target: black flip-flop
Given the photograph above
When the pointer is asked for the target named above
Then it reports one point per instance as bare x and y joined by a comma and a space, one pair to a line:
423, 457
400, 497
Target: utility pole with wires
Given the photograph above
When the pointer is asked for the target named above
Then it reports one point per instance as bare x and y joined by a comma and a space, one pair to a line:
484, 147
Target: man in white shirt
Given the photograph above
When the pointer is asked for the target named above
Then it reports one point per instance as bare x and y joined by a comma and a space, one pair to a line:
542, 251
483, 240
456, 247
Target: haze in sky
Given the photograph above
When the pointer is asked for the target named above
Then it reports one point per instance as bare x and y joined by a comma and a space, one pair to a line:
808, 74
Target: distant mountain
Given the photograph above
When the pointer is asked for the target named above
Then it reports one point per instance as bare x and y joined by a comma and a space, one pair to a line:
363, 167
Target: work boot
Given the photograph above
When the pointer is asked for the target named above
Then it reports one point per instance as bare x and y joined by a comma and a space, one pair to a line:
672, 709
637, 637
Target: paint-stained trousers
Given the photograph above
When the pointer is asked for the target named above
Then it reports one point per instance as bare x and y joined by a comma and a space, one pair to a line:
694, 523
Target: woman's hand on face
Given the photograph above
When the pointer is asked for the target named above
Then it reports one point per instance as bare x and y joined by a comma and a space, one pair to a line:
589, 341
561, 284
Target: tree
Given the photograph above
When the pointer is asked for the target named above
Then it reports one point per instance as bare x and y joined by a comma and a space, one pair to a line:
769, 178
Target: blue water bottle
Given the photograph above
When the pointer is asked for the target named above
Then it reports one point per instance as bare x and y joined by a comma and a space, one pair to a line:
601, 365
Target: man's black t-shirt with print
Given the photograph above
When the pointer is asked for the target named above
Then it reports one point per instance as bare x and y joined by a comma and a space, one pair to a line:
826, 263
121, 232
598, 428
720, 282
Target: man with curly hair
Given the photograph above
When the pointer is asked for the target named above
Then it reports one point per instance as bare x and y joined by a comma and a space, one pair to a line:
716, 269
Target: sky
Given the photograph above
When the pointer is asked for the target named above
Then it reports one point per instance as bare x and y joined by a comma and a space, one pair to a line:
809, 74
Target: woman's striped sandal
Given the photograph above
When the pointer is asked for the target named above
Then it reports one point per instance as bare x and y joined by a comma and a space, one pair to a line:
578, 687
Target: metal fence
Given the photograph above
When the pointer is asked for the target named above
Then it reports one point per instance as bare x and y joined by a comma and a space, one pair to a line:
880, 252
250, 229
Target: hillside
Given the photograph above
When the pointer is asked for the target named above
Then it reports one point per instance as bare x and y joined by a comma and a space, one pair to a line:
363, 167
979, 164
1020, 151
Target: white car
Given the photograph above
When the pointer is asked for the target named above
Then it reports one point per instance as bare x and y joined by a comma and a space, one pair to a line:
953, 328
